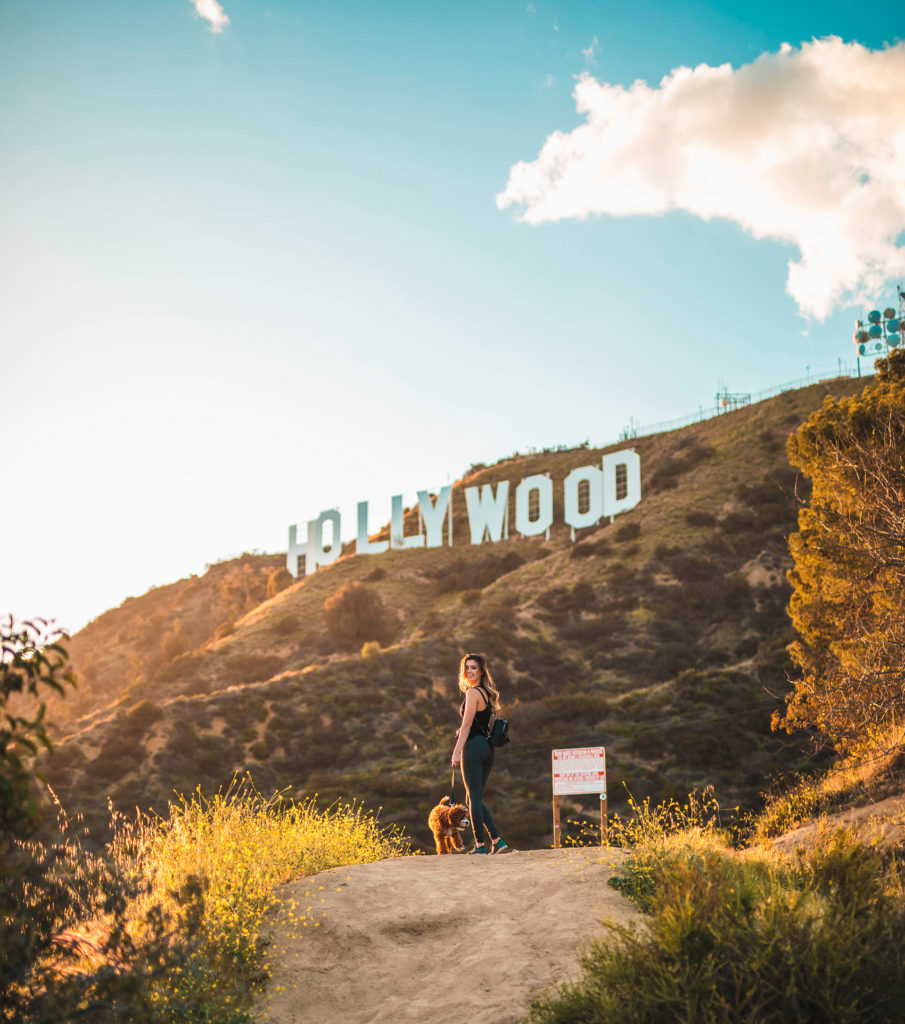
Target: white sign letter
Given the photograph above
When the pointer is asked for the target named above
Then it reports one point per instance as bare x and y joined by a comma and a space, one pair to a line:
621, 481
432, 515
324, 555
487, 511
362, 545
397, 527
315, 551
579, 520
544, 487
296, 549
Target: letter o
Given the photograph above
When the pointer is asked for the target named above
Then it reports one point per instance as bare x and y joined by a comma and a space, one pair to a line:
594, 477
325, 555
544, 486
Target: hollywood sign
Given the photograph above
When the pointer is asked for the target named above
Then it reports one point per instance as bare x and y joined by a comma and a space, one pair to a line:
590, 493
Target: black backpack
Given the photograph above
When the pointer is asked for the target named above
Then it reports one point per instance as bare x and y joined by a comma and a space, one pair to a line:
498, 733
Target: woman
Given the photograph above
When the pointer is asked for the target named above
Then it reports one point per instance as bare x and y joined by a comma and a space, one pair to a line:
473, 749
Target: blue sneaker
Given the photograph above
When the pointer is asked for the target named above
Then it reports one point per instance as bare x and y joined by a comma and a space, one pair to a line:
501, 846
479, 849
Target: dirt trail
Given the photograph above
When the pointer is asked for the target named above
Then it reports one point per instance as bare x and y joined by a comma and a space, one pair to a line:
437, 940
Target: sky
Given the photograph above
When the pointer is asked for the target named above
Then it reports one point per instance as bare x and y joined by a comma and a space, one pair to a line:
258, 260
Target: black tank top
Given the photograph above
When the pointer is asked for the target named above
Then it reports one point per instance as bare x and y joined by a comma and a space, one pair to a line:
481, 721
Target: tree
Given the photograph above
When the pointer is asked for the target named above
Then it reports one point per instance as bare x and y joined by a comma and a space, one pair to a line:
33, 901
56, 901
849, 566
32, 660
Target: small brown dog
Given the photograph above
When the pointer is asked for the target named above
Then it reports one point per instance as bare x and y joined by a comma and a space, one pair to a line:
448, 822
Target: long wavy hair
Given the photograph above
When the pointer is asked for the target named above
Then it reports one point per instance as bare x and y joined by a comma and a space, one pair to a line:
486, 680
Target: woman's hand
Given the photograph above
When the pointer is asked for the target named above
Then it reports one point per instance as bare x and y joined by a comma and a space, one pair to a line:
456, 759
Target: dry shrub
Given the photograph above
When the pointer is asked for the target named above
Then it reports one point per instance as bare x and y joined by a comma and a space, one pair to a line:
356, 614
287, 625
477, 573
699, 518
628, 531
252, 668
277, 580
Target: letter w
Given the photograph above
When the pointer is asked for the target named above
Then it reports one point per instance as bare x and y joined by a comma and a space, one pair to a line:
487, 512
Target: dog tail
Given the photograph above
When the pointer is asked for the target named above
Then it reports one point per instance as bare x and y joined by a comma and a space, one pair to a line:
445, 800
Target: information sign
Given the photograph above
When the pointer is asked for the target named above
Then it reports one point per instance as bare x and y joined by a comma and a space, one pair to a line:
579, 770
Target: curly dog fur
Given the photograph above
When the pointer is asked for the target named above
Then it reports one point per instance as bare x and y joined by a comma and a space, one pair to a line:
447, 822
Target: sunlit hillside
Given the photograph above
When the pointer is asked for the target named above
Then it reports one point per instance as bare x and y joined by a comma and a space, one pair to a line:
661, 636
126, 649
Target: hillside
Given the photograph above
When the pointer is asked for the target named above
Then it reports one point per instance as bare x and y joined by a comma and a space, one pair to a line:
661, 636
121, 651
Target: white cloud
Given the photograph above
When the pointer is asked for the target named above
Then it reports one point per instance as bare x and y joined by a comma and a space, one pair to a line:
212, 12
547, 82
590, 54
805, 145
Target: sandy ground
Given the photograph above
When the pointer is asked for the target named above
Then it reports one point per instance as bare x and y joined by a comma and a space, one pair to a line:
436, 939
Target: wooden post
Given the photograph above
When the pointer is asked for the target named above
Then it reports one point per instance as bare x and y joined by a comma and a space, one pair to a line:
604, 824
556, 825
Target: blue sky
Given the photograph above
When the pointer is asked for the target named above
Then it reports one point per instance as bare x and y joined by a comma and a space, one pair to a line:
251, 274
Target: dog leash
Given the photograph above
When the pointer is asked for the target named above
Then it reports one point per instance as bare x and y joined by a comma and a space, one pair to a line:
452, 788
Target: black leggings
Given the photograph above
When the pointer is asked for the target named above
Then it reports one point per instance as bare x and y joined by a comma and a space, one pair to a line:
477, 760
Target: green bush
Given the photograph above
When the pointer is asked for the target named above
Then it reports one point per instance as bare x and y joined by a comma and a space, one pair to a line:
744, 937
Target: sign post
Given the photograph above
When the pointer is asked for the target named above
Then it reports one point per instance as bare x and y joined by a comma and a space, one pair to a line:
579, 770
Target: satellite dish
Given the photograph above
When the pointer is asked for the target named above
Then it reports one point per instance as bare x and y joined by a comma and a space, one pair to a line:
862, 349
875, 331
874, 316
893, 326
889, 312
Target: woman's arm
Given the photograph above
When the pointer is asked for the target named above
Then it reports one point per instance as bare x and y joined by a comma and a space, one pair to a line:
471, 704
